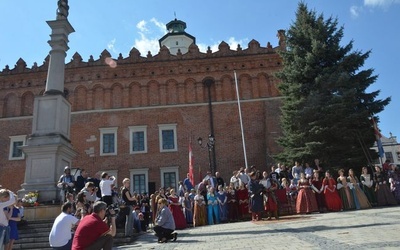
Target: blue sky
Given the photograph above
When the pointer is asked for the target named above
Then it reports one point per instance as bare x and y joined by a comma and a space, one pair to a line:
119, 25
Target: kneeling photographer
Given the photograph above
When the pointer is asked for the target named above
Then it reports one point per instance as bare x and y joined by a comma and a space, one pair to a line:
93, 231
165, 224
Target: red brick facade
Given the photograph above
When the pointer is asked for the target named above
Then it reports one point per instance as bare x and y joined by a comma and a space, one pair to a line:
153, 90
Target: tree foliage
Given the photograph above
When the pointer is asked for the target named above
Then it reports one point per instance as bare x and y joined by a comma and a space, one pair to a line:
326, 110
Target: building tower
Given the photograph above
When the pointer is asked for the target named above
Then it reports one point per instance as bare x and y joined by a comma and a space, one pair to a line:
176, 38
48, 149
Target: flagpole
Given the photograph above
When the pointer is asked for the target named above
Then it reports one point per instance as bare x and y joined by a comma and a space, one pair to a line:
240, 118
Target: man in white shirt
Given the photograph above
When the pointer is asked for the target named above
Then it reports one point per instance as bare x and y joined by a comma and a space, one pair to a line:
7, 198
60, 235
106, 185
243, 176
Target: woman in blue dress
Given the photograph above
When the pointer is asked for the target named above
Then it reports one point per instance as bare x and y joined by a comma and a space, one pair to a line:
13, 216
223, 207
188, 209
212, 207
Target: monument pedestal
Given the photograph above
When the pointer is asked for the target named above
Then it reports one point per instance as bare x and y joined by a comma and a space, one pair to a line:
48, 150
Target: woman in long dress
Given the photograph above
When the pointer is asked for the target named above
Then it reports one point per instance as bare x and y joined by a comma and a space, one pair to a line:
232, 202
200, 212
332, 198
243, 198
394, 180
176, 209
306, 202
13, 216
188, 209
212, 207
316, 183
345, 192
223, 207
382, 191
270, 199
359, 194
367, 184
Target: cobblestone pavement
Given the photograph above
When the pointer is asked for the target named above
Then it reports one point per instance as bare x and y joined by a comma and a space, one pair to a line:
377, 228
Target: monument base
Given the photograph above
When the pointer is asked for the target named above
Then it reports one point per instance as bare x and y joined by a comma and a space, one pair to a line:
46, 157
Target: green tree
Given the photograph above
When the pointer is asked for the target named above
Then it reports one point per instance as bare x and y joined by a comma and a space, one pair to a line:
326, 110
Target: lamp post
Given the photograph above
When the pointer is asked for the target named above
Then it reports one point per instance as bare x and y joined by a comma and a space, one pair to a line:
208, 82
210, 148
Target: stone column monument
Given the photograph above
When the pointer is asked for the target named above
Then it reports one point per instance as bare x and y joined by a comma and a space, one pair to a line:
48, 149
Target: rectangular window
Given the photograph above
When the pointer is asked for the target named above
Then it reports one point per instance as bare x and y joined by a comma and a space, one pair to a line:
139, 183
170, 180
389, 156
168, 138
139, 179
169, 177
138, 139
108, 141
15, 152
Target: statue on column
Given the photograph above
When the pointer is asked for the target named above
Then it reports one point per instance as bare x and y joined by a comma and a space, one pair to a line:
282, 39
62, 10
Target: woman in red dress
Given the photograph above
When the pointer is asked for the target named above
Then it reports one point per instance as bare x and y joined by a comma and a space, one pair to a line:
318, 191
306, 202
332, 198
176, 209
243, 197
270, 199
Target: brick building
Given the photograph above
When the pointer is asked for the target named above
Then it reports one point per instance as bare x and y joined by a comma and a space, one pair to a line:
134, 117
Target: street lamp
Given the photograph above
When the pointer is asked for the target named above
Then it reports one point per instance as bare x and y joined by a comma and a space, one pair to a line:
210, 148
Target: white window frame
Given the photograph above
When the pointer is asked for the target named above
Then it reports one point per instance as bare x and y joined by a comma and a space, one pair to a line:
111, 130
133, 129
13, 139
167, 170
139, 171
162, 127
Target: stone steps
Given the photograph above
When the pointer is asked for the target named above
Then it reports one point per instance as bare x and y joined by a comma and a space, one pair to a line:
35, 235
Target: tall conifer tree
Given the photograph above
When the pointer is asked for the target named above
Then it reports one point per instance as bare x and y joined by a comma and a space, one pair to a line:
326, 110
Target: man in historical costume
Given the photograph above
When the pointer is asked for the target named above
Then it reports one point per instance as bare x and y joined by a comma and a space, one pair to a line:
66, 183
256, 197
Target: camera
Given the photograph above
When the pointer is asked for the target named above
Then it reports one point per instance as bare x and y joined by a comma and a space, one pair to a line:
114, 207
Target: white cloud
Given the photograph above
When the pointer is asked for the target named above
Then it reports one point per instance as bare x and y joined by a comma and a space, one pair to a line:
149, 33
355, 11
233, 43
145, 44
111, 46
160, 25
142, 26
380, 3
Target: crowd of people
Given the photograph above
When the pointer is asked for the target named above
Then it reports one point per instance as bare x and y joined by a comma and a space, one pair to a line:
89, 217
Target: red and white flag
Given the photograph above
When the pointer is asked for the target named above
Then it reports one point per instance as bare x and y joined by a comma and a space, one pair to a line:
191, 163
